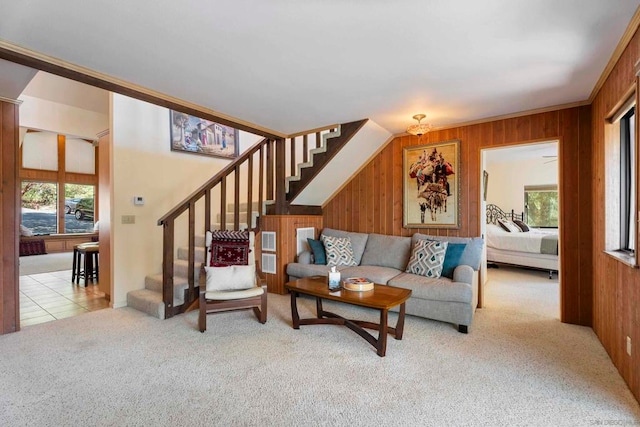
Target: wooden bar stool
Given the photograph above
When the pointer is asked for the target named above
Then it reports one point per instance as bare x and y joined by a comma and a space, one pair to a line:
89, 269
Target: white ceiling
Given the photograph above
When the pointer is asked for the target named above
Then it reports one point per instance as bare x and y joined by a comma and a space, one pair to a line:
292, 65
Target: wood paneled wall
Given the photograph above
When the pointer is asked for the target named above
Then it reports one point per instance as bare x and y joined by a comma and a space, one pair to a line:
285, 228
616, 286
9, 218
372, 200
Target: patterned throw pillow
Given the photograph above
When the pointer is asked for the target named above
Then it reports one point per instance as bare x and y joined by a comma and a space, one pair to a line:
338, 251
509, 226
427, 258
521, 225
229, 248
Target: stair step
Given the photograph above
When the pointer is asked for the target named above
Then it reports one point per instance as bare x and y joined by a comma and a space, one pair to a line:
243, 206
153, 283
243, 216
183, 254
149, 302
230, 226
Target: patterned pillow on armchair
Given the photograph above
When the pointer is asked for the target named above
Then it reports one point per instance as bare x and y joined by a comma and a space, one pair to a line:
229, 248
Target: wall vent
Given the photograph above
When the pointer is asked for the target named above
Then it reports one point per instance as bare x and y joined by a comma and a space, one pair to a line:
269, 241
269, 263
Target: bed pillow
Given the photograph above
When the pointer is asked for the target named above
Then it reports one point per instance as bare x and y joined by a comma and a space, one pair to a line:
509, 226
521, 225
452, 258
319, 255
427, 258
338, 251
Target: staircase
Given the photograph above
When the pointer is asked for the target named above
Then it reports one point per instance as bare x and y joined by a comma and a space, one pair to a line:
271, 176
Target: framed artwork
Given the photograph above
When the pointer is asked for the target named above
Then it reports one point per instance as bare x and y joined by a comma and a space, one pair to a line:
191, 134
431, 180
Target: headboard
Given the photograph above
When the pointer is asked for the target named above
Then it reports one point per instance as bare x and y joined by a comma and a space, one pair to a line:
494, 213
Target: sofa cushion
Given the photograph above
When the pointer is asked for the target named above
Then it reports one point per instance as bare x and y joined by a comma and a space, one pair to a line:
376, 274
319, 254
441, 289
306, 270
358, 241
387, 251
338, 251
472, 254
452, 258
427, 258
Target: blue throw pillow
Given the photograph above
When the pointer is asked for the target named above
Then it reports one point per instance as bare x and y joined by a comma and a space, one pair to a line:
317, 247
452, 258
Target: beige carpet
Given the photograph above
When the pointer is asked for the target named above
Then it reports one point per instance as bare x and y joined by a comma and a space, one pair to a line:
36, 264
518, 366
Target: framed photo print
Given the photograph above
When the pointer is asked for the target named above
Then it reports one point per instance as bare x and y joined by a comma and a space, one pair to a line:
191, 134
431, 180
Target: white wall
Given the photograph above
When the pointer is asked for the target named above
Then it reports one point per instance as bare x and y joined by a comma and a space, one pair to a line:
508, 179
144, 165
64, 119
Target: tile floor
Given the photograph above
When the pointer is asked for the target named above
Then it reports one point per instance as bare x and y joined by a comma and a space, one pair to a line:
49, 296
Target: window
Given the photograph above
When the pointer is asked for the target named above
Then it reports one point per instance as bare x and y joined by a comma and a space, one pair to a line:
58, 192
40, 207
78, 208
620, 180
627, 181
541, 205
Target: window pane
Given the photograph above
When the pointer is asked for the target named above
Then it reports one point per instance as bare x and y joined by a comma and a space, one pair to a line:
542, 208
78, 205
39, 207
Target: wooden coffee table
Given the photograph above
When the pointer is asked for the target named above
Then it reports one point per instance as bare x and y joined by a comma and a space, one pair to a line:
382, 298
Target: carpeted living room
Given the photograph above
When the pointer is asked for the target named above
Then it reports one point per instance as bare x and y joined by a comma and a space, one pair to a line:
298, 125
519, 365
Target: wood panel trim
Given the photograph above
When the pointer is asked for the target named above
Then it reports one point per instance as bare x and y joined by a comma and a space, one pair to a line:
617, 53
9, 218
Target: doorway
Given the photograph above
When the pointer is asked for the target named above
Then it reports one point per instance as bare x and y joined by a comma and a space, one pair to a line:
521, 206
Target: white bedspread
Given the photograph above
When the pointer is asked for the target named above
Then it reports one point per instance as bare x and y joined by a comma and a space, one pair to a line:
523, 242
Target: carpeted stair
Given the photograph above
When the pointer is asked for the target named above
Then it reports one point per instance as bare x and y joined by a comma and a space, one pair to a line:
149, 299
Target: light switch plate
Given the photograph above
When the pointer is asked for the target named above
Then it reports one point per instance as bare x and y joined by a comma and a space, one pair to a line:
128, 219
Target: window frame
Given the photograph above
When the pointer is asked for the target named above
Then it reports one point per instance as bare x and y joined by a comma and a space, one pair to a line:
621, 195
551, 188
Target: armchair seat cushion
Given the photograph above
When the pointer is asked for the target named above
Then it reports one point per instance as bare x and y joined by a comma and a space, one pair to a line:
227, 295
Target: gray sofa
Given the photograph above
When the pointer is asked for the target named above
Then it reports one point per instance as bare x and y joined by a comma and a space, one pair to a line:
383, 259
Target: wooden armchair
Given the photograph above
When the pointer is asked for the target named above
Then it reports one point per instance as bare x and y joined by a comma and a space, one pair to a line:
232, 287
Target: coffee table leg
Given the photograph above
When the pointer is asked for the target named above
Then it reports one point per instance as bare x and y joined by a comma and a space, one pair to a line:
319, 311
294, 311
382, 336
400, 324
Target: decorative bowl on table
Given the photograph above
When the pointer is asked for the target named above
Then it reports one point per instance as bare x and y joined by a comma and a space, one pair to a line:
357, 284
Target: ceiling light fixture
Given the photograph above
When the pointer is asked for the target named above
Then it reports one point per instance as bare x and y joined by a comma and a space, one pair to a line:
421, 128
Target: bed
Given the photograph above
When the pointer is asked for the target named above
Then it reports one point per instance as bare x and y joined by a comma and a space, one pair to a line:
536, 248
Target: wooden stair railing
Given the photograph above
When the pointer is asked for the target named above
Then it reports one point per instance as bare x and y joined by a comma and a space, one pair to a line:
267, 161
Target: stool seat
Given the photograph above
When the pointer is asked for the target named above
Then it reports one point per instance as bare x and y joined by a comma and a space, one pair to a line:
89, 269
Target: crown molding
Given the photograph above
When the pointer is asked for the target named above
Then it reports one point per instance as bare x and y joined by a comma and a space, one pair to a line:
39, 61
10, 101
617, 53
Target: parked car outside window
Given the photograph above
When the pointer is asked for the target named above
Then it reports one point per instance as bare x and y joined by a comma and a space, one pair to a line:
70, 205
84, 209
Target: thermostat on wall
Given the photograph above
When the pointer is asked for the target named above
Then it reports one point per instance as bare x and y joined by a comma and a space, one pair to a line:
138, 200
